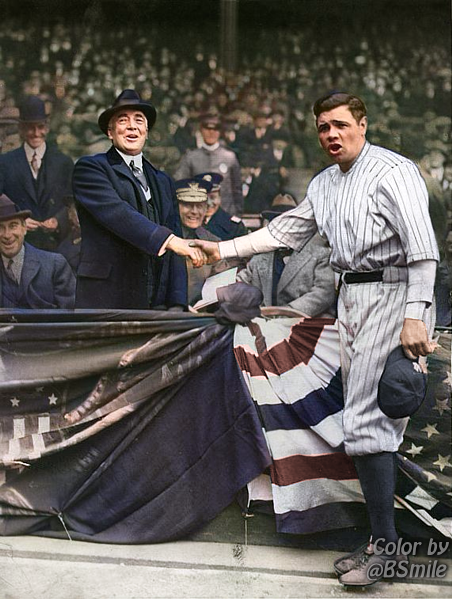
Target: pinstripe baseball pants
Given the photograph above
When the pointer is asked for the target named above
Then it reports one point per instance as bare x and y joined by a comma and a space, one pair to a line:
370, 317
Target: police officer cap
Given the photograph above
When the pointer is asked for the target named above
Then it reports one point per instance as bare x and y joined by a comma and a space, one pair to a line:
214, 178
193, 190
402, 385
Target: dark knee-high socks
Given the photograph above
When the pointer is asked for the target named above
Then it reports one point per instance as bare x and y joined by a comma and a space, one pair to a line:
378, 474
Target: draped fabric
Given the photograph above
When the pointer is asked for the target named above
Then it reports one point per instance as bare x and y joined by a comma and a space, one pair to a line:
121, 427
139, 427
293, 372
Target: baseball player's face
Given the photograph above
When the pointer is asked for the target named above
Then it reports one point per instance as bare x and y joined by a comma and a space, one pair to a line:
341, 137
128, 130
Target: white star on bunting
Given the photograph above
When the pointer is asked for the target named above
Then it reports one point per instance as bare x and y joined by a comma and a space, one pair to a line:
442, 406
415, 450
53, 399
442, 462
15, 402
430, 429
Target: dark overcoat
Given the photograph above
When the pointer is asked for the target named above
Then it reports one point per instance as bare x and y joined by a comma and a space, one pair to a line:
118, 237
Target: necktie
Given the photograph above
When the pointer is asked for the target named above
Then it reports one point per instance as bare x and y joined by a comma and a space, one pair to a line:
34, 165
10, 272
138, 173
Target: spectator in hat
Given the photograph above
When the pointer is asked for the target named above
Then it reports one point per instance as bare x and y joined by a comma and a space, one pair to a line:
212, 156
129, 219
261, 180
217, 220
257, 138
29, 277
303, 281
37, 176
9, 126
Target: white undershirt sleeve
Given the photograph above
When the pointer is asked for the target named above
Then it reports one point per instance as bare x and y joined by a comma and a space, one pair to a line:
421, 281
258, 242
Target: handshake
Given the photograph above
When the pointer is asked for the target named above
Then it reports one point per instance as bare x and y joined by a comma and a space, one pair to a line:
200, 252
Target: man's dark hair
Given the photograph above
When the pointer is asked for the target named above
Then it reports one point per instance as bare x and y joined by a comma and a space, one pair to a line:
335, 99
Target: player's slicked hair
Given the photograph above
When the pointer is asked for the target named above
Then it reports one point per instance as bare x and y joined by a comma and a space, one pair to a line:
335, 99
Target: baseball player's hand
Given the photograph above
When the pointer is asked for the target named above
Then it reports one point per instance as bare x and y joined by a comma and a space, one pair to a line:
414, 338
209, 248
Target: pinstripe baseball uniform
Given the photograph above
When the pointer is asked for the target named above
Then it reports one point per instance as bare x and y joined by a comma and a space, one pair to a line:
375, 217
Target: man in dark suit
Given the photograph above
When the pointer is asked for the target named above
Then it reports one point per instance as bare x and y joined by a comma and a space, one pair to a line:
30, 277
37, 176
129, 220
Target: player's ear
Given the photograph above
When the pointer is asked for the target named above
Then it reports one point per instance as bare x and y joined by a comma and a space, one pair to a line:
363, 125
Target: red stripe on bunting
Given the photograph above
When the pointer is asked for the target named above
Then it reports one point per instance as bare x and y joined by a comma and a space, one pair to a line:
298, 468
298, 348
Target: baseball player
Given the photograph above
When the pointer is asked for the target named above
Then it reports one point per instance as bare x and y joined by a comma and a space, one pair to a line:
371, 206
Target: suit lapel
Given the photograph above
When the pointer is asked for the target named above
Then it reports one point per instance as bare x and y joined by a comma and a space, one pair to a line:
156, 198
122, 170
292, 269
26, 177
30, 268
265, 270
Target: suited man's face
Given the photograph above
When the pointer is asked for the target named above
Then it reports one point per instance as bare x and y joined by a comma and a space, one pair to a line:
12, 235
34, 133
128, 131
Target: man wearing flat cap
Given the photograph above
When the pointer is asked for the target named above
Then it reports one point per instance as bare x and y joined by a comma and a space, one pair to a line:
30, 278
212, 156
37, 176
129, 220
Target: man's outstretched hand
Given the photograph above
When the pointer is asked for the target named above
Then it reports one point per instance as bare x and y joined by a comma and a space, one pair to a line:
185, 247
209, 248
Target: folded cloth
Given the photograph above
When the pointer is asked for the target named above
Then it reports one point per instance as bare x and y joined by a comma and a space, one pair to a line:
239, 303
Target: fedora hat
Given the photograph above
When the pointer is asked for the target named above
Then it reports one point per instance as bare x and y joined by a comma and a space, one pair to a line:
281, 203
128, 98
9, 210
32, 110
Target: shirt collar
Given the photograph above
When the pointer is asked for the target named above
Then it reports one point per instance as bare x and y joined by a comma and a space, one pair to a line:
137, 160
40, 151
18, 259
212, 147
363, 152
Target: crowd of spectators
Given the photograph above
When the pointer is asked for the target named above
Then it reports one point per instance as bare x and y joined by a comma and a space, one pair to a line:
402, 73
403, 76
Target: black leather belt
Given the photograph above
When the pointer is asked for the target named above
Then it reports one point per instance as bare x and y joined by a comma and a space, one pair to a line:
362, 277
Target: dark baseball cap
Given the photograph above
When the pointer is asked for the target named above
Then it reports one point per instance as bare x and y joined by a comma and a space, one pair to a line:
402, 385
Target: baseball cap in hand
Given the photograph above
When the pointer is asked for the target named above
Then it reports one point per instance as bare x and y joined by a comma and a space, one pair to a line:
402, 385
